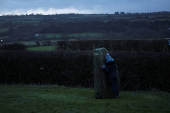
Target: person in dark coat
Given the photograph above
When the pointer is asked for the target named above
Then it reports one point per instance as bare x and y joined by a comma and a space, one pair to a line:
110, 70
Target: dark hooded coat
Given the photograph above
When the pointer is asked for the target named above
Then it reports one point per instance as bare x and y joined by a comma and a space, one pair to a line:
110, 71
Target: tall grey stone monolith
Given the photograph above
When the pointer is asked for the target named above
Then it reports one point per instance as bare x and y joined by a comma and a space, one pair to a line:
102, 89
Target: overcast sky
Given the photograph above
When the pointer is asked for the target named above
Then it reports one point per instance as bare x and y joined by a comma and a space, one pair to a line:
81, 6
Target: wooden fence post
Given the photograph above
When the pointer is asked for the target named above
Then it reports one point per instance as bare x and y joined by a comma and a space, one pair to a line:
102, 89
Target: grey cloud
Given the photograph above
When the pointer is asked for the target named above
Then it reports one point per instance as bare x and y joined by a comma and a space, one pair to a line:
105, 6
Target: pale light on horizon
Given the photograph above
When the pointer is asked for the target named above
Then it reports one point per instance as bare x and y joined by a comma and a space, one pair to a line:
44, 7
50, 11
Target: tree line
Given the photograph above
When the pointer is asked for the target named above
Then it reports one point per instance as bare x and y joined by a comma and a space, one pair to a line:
112, 29
113, 26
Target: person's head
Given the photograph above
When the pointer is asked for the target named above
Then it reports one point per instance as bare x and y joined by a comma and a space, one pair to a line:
109, 59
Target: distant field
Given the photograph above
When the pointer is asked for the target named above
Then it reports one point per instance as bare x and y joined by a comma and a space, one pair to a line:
27, 42
1, 22
42, 48
30, 21
3, 29
4, 37
88, 34
150, 20
6, 29
50, 35
15, 28
34, 21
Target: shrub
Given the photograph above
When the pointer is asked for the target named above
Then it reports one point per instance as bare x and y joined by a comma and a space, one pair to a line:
116, 45
37, 43
138, 70
15, 46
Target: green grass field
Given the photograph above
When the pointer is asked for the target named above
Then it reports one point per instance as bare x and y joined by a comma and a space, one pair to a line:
6, 29
84, 34
3, 29
4, 37
34, 21
60, 99
51, 35
27, 42
42, 48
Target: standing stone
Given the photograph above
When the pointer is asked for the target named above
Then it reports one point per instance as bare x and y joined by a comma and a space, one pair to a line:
102, 89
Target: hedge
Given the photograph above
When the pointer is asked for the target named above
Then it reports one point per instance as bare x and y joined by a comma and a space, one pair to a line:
137, 70
117, 45
14, 46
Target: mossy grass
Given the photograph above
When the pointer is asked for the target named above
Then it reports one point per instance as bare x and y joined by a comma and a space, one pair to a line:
61, 99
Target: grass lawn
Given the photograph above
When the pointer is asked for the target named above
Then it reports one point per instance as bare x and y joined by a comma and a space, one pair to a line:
60, 99
42, 48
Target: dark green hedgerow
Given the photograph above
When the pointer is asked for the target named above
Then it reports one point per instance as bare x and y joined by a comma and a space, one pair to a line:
143, 70
137, 70
117, 45
61, 67
15, 46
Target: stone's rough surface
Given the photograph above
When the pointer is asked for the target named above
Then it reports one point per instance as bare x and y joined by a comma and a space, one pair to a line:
102, 89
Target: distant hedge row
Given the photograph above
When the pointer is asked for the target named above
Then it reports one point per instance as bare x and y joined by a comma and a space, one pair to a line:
137, 70
15, 46
117, 45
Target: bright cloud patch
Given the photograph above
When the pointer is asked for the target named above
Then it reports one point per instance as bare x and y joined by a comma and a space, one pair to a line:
51, 11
